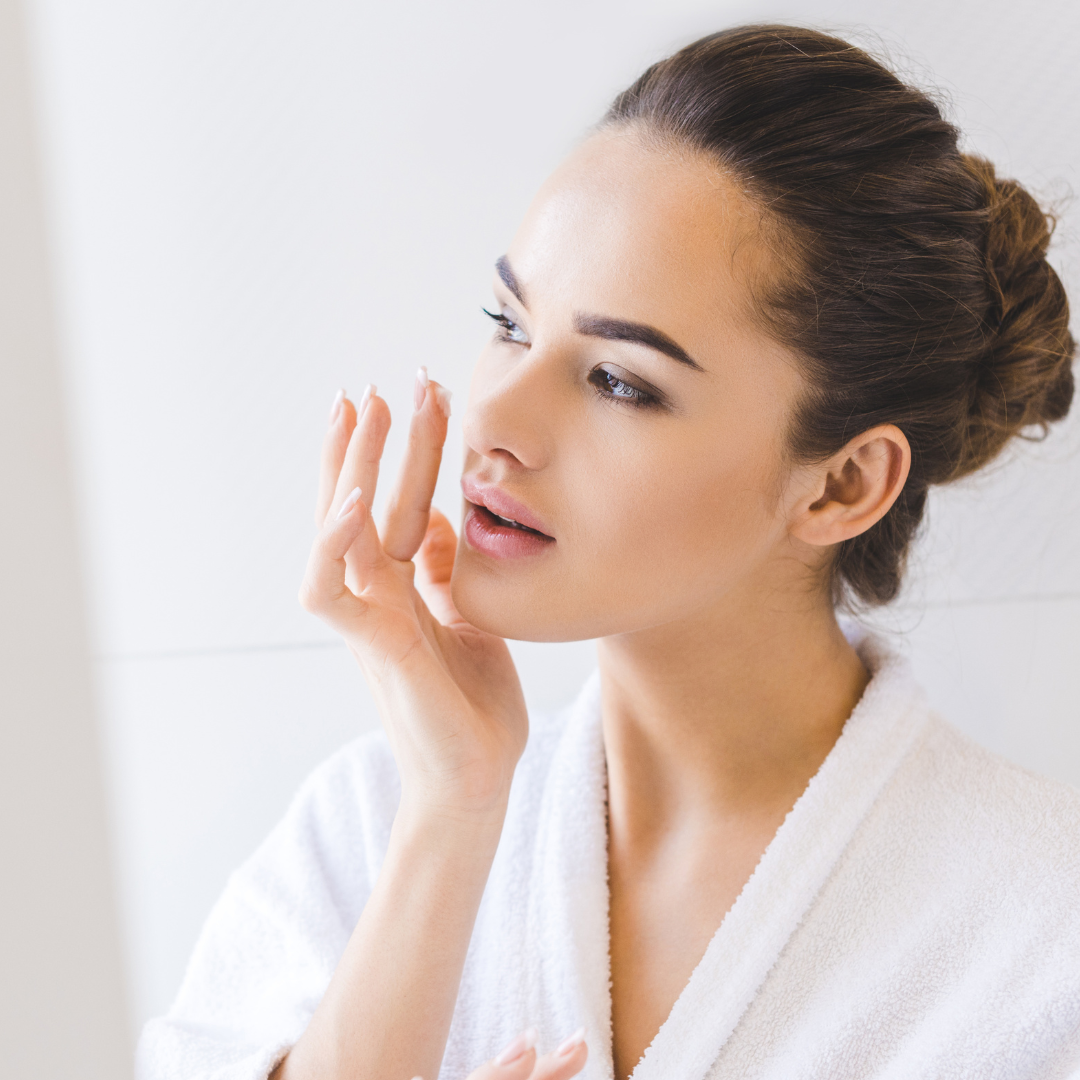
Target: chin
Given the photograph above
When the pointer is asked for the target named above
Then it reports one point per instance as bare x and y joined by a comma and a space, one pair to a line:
501, 609
521, 610
531, 610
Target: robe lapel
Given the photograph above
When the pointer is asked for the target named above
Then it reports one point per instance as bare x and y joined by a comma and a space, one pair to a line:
569, 893
791, 873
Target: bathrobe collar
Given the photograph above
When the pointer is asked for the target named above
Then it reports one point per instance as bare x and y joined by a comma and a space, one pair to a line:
569, 898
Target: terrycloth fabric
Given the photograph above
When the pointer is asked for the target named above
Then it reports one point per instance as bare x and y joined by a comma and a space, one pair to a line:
917, 916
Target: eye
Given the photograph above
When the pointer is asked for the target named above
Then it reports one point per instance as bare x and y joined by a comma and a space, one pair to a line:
508, 329
609, 385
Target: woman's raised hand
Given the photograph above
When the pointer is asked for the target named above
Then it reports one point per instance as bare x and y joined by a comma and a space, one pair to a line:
448, 693
453, 711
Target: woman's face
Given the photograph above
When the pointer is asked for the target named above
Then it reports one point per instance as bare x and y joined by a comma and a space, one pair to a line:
627, 409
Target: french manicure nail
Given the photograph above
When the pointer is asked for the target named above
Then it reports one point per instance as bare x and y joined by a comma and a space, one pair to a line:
570, 1045
369, 393
521, 1045
420, 392
350, 501
443, 396
339, 397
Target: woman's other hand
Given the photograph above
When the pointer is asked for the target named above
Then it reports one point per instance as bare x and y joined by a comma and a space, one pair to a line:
448, 694
519, 1061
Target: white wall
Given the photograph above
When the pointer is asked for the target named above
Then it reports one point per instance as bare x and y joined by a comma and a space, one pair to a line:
259, 201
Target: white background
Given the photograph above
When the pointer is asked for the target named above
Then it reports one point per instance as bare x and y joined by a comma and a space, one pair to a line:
256, 202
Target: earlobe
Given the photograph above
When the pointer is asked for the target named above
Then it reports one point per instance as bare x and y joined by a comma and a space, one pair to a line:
855, 488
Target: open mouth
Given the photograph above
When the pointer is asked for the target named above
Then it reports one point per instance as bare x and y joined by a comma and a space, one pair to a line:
509, 534
496, 520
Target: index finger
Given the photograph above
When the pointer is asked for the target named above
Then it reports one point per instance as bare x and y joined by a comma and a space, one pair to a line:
410, 503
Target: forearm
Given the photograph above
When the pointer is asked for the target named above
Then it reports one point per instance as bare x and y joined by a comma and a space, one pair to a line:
387, 1010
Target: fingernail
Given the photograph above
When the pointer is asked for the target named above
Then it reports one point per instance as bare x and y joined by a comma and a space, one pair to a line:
421, 388
351, 500
443, 396
369, 393
521, 1045
571, 1044
339, 397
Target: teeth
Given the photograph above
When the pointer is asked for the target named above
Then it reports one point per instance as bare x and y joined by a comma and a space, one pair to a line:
506, 521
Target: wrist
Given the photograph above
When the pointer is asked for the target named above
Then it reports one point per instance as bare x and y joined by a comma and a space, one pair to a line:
449, 828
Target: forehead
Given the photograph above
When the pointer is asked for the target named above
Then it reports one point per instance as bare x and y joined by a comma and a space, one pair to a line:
630, 227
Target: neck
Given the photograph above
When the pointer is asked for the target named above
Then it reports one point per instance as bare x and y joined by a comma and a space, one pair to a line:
727, 713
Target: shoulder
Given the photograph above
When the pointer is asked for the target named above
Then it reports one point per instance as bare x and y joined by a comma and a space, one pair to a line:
271, 942
986, 821
959, 803
989, 793
338, 823
346, 806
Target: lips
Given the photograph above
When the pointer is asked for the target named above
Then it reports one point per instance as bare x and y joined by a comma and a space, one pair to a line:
502, 506
500, 526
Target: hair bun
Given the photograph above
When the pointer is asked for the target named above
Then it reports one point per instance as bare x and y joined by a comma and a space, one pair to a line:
1023, 377
909, 281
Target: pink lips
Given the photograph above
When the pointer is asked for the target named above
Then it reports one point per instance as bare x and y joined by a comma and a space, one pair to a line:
486, 533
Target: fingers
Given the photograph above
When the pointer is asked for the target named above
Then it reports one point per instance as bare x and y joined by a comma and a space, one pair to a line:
335, 443
324, 592
519, 1060
565, 1061
514, 1063
410, 504
434, 565
360, 465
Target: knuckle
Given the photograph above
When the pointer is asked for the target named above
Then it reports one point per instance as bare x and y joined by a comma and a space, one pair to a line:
309, 597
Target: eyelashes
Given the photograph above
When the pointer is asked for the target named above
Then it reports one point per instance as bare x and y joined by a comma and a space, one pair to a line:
607, 384
508, 329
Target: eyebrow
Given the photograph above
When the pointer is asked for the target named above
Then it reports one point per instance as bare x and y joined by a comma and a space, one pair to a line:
600, 326
621, 330
508, 278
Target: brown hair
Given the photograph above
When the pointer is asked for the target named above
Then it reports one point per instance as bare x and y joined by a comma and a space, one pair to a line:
919, 295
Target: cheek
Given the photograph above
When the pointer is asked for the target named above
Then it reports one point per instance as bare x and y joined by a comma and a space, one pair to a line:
679, 519
653, 525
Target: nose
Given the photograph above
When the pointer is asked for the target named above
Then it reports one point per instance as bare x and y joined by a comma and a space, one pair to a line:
513, 412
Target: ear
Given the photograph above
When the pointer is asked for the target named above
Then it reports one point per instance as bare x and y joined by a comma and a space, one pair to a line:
854, 489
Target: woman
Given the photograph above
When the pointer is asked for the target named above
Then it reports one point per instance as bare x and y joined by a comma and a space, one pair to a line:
741, 331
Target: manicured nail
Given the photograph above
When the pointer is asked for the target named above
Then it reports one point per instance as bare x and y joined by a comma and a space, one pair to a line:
570, 1045
443, 396
369, 393
521, 1045
351, 500
335, 409
420, 392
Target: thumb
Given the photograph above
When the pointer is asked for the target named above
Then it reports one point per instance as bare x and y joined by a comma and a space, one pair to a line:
435, 559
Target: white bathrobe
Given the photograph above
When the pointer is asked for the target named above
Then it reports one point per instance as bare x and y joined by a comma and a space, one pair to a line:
916, 916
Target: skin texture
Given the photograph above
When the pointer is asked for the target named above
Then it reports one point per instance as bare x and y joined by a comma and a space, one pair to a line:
680, 534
